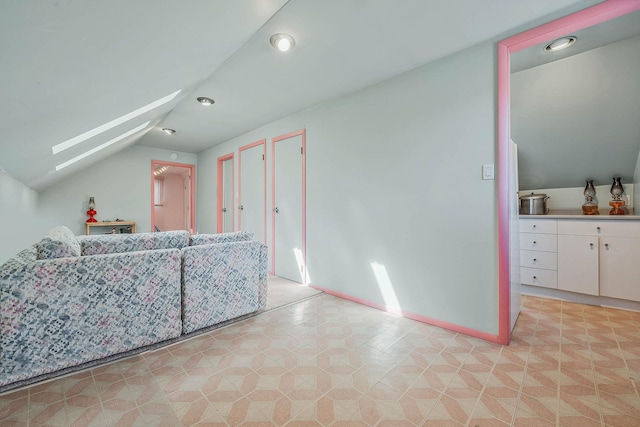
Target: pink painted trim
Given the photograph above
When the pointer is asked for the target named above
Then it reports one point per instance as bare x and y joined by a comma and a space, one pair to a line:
192, 190
591, 16
504, 282
420, 318
220, 191
560, 27
303, 133
262, 142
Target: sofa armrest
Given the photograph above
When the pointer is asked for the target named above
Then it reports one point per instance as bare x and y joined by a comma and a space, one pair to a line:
222, 281
62, 312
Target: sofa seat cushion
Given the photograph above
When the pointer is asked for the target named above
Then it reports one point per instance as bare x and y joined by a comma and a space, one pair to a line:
207, 239
59, 242
120, 243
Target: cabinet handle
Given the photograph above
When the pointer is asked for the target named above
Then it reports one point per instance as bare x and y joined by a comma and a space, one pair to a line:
591, 245
534, 226
606, 246
598, 228
535, 260
534, 277
534, 242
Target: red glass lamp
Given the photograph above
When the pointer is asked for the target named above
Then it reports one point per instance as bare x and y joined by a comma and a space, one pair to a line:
91, 212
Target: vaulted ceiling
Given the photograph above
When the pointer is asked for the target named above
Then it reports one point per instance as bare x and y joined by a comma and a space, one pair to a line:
71, 66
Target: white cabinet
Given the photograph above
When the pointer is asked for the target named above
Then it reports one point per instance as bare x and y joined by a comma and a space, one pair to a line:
538, 257
599, 258
620, 267
578, 264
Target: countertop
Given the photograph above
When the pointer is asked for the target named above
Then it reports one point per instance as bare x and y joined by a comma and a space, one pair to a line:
577, 214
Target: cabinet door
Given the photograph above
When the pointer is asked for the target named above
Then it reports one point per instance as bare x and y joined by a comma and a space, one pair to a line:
578, 264
619, 268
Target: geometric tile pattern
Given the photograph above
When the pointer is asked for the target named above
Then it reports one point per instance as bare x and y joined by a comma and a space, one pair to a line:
329, 362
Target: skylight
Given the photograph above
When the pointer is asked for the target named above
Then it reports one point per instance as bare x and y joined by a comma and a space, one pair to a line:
101, 146
113, 123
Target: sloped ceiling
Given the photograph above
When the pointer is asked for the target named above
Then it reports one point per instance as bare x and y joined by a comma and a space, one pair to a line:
70, 66
578, 118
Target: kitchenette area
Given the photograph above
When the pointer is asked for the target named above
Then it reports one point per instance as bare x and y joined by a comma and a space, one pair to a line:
581, 254
575, 110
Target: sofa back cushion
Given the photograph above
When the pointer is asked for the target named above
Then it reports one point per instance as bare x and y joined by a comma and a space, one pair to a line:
207, 239
120, 243
59, 242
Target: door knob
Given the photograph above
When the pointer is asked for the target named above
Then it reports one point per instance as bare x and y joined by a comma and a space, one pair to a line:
276, 210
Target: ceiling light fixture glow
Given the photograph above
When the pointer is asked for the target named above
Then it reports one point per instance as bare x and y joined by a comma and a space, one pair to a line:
205, 101
282, 42
160, 170
113, 123
561, 43
168, 131
101, 146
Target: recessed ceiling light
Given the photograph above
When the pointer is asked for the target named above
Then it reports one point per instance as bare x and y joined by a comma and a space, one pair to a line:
168, 131
282, 42
561, 43
205, 101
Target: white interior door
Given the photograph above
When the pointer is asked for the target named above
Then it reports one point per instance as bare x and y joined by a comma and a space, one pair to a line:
227, 196
287, 209
251, 209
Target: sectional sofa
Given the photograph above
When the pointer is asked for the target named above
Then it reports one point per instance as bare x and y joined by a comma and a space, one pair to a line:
69, 300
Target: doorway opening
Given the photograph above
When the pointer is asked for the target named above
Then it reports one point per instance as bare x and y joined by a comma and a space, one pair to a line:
585, 18
172, 196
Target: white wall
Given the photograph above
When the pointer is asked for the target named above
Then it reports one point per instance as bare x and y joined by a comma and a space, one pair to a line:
23, 223
394, 178
121, 186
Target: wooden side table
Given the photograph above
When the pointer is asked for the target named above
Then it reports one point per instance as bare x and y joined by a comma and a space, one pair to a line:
114, 225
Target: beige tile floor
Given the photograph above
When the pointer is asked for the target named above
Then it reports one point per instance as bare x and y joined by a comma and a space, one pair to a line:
330, 362
282, 292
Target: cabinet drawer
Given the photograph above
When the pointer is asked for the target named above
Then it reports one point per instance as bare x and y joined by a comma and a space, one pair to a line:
544, 226
539, 242
539, 277
615, 228
539, 259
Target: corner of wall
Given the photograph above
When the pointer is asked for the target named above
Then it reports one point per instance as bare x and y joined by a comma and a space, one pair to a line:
24, 223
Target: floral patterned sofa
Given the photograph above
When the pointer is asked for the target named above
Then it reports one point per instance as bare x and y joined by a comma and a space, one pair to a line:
69, 300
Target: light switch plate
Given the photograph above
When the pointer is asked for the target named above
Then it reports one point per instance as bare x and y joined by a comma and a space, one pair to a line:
487, 171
